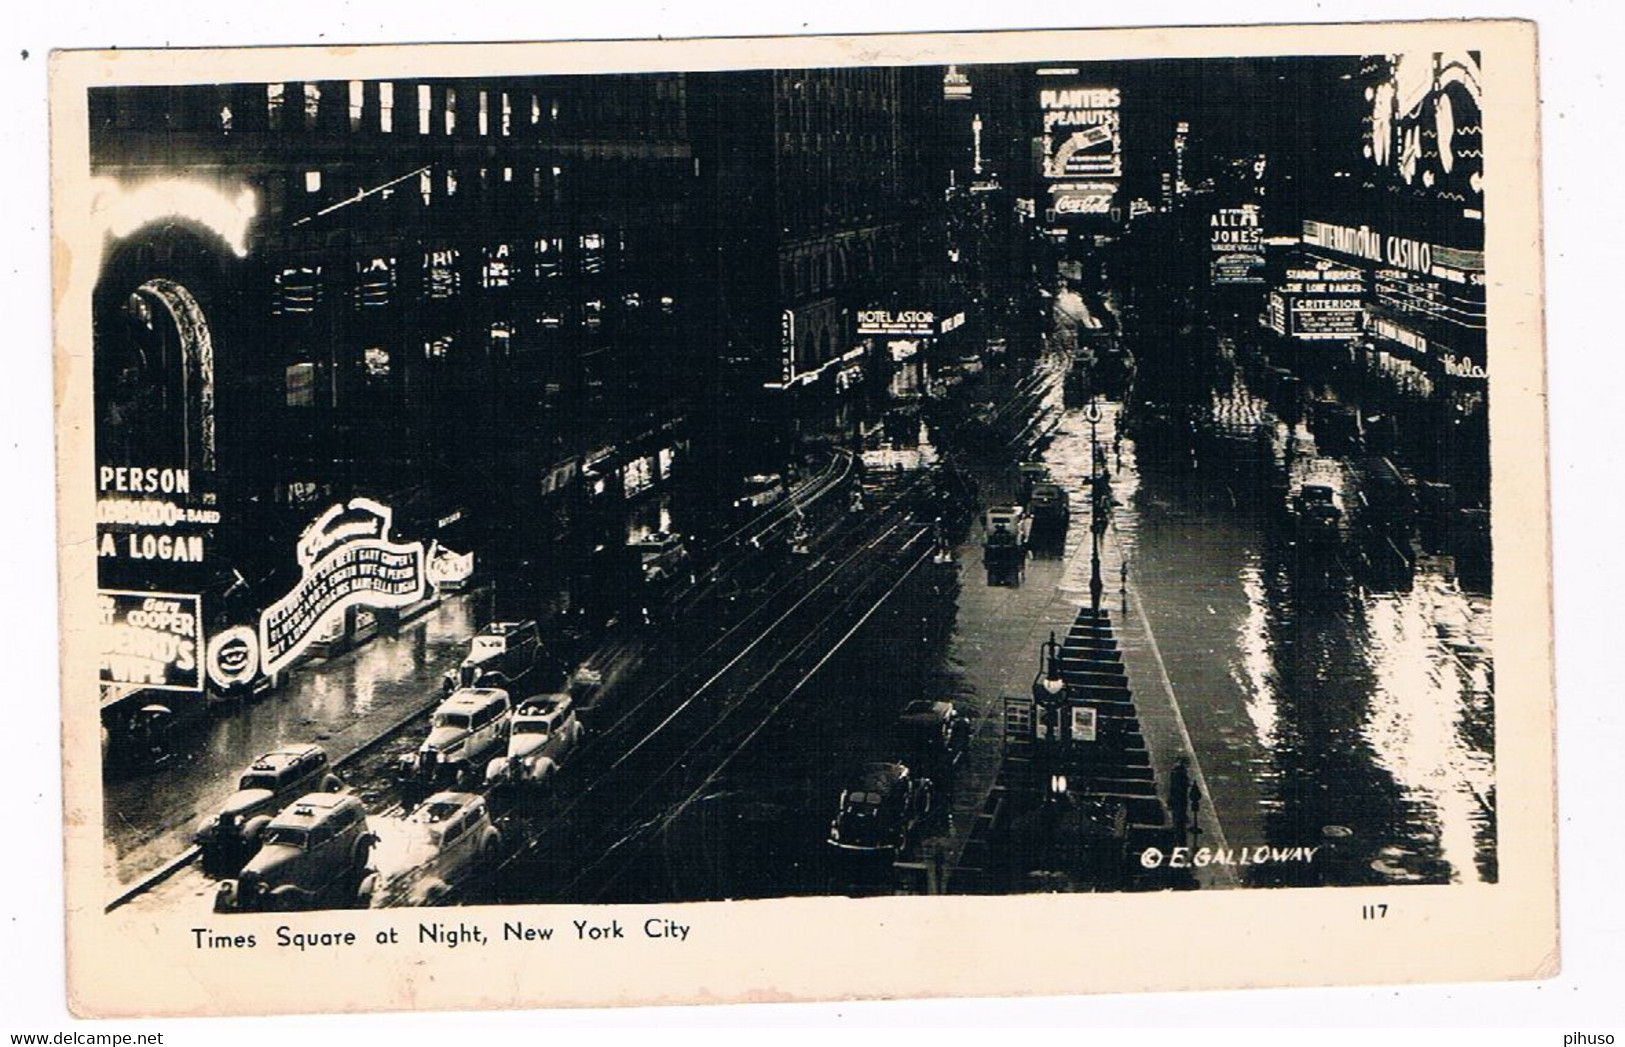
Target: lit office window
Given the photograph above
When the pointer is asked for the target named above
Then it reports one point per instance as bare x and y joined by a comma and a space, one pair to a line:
425, 109
358, 95
275, 97
441, 279
375, 359
497, 272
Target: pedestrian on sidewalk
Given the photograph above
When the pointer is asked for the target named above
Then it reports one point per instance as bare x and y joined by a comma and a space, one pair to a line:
1179, 791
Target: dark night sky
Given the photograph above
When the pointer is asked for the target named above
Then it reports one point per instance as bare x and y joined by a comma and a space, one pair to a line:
1298, 110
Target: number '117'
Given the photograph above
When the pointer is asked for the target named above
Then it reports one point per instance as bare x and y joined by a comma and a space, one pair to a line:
1374, 912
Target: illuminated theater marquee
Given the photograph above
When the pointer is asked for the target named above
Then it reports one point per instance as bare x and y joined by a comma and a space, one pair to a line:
151, 640
348, 560
1454, 264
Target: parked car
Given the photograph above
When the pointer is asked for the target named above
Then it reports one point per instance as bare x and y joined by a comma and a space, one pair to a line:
503, 654
228, 837
448, 840
880, 810
934, 732
543, 732
661, 554
463, 732
313, 855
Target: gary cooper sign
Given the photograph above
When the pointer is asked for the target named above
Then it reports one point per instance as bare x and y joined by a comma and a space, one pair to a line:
348, 561
151, 640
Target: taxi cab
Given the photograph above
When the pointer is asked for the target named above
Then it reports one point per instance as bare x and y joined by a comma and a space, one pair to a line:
230, 835
312, 855
447, 841
463, 732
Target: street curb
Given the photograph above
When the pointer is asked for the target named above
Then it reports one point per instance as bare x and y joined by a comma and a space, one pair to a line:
186, 857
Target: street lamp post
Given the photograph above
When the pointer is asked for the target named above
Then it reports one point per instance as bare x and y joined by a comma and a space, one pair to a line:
1049, 695
1100, 506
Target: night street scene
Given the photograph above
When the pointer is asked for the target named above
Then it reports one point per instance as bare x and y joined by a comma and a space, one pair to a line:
657, 487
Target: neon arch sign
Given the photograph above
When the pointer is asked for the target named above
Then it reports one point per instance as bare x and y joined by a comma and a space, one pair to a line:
120, 210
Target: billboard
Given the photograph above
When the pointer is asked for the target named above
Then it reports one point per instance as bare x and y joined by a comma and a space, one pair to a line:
1074, 199
1236, 245
1454, 265
1082, 132
1425, 129
151, 640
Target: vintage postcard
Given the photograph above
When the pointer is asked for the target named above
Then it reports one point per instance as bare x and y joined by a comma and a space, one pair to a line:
760, 519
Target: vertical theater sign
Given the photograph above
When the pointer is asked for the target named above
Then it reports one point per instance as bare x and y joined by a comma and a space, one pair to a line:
1236, 244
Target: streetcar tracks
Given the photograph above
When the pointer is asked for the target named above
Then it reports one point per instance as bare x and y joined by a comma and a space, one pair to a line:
811, 637
754, 614
769, 631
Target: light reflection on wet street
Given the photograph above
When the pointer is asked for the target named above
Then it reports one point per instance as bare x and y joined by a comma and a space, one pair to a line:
338, 702
1327, 709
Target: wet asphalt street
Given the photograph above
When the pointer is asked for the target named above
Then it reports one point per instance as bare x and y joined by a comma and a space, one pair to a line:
1324, 703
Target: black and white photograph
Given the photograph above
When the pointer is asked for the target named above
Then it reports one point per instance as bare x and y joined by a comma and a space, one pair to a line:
568, 495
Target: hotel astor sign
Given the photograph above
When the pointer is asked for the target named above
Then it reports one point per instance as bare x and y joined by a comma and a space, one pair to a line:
906, 321
348, 560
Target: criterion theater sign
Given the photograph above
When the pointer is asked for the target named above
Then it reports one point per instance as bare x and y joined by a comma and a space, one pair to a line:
348, 561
